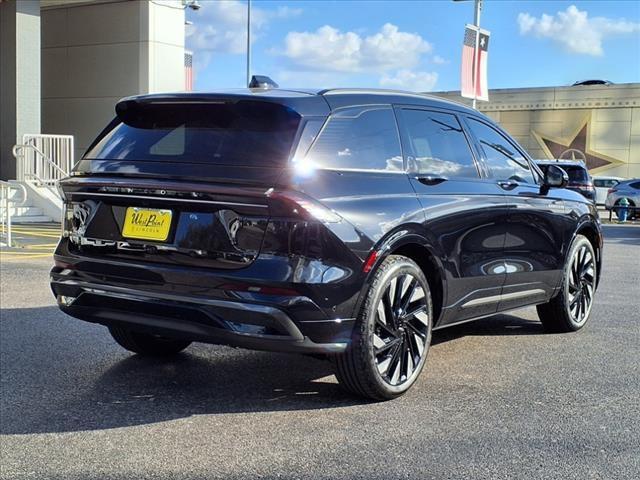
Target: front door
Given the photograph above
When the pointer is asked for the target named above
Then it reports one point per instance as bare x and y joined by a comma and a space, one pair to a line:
536, 225
464, 213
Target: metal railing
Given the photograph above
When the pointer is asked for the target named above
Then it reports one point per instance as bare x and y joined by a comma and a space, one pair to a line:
7, 202
43, 160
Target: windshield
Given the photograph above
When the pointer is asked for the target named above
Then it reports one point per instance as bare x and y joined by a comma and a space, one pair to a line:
241, 133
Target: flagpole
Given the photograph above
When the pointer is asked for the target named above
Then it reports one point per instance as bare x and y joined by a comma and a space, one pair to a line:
248, 42
476, 22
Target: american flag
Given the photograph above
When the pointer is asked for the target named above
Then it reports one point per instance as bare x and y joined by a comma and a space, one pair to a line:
474, 74
188, 71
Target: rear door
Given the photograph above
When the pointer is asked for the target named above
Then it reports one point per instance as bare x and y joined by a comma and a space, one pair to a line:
537, 227
465, 212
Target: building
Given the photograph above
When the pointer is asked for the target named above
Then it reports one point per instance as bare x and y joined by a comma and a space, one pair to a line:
599, 124
65, 63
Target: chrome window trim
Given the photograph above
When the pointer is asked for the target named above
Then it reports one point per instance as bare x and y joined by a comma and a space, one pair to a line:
184, 200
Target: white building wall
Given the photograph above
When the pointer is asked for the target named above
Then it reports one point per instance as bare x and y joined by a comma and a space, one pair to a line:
96, 53
19, 77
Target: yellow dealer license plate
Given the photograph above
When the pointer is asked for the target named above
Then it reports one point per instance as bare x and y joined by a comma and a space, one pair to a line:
147, 224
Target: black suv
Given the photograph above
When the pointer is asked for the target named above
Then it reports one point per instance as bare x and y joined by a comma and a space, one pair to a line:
350, 223
579, 179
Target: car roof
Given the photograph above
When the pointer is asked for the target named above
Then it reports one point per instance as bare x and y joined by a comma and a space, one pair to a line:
560, 162
310, 101
631, 180
343, 97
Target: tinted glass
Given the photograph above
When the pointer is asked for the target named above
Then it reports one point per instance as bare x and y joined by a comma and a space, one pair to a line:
576, 174
359, 138
504, 161
241, 133
635, 185
436, 144
605, 183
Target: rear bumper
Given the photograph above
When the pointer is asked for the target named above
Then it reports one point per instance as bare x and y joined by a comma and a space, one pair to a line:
197, 318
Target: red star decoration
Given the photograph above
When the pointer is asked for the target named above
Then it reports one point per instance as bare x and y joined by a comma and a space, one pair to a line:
579, 143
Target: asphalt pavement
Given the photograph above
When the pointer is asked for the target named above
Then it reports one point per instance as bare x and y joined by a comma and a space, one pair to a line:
498, 399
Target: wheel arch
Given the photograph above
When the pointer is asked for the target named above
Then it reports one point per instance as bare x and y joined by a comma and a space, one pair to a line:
593, 233
421, 250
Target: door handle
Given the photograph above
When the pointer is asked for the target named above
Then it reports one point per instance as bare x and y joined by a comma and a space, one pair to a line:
507, 184
431, 179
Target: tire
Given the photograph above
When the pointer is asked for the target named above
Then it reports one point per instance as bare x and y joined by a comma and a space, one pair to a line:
145, 344
392, 333
570, 309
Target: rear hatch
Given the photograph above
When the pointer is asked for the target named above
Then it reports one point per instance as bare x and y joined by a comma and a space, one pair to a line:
181, 181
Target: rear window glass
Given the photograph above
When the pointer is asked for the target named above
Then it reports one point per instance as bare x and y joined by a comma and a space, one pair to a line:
605, 183
576, 174
436, 144
241, 133
360, 138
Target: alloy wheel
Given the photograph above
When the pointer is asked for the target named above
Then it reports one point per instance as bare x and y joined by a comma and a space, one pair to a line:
401, 330
581, 284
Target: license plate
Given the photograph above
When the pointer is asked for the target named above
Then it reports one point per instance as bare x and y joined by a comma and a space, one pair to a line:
147, 224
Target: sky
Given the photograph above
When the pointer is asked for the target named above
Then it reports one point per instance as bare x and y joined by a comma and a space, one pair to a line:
413, 45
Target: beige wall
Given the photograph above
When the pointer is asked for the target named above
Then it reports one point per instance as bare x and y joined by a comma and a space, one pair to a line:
611, 115
19, 77
94, 54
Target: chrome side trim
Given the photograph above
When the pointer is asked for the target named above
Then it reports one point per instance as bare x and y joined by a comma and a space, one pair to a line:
184, 200
503, 297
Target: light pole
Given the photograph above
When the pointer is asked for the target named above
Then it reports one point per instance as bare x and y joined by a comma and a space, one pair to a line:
476, 50
248, 42
476, 22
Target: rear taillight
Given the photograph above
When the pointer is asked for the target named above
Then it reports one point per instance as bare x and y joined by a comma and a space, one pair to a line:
294, 204
370, 261
611, 190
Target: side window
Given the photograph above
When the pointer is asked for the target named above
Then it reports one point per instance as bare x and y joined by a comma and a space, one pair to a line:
504, 161
635, 185
363, 138
436, 145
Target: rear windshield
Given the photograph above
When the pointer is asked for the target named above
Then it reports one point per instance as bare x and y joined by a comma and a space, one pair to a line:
239, 133
576, 174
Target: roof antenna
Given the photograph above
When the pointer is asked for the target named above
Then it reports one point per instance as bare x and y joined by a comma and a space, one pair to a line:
262, 81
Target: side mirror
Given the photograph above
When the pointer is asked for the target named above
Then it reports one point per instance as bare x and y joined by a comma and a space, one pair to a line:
555, 177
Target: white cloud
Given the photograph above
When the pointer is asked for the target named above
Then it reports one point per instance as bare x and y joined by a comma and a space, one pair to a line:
330, 49
574, 30
221, 27
407, 80
438, 60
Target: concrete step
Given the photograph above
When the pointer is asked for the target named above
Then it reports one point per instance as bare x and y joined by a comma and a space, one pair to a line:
23, 211
30, 219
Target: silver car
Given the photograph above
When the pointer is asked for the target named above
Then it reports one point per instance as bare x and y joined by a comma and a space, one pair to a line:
603, 184
629, 189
